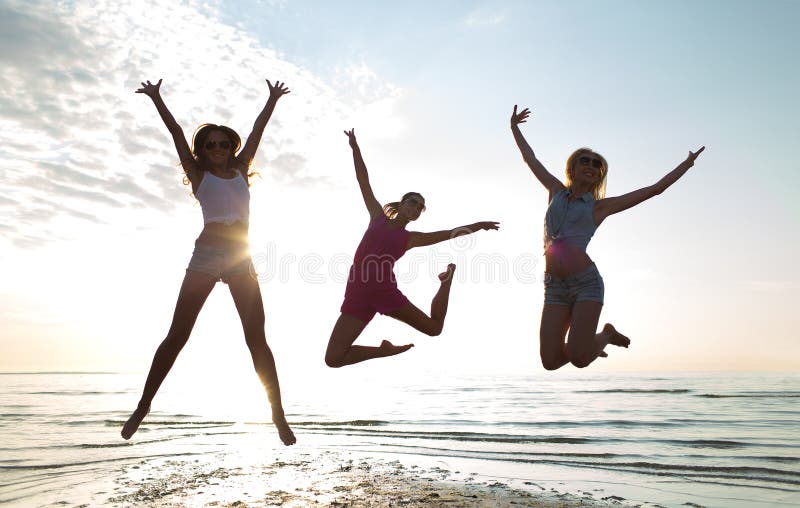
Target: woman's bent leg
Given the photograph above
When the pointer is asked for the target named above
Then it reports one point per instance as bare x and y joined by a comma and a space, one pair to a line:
247, 298
552, 335
584, 344
193, 294
341, 350
434, 324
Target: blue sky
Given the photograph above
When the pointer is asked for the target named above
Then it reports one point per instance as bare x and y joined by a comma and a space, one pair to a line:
97, 228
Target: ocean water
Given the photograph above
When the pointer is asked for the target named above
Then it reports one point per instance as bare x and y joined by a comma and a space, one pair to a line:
715, 440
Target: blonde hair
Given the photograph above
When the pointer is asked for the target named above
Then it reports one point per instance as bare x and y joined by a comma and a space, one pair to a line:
390, 209
599, 190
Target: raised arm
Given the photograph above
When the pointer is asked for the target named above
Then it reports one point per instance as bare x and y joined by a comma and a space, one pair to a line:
610, 206
248, 152
550, 182
417, 239
184, 153
373, 206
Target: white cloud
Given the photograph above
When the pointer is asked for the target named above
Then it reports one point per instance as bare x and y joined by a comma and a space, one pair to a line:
79, 144
485, 16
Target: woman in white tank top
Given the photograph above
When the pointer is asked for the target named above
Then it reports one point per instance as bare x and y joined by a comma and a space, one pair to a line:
219, 178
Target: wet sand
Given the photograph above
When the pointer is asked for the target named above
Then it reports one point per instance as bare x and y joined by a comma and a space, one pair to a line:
328, 479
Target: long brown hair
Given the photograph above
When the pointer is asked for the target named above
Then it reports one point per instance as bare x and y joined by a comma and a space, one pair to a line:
390, 209
599, 189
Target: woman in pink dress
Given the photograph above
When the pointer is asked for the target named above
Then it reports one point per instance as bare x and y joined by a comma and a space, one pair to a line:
372, 286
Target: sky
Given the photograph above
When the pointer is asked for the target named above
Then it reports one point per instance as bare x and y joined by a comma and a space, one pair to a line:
97, 227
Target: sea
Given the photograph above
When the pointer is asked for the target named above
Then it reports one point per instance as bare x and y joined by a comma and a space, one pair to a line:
688, 439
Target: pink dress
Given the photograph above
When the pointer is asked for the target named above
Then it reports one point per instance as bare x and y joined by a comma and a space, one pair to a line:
371, 285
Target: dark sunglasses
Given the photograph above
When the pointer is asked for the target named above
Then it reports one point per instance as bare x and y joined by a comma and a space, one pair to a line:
596, 163
210, 145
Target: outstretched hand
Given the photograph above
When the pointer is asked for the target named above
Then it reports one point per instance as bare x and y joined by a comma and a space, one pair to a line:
351, 137
521, 117
693, 155
277, 90
486, 226
150, 89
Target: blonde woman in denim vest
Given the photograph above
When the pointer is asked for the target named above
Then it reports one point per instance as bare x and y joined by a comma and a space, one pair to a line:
219, 175
573, 286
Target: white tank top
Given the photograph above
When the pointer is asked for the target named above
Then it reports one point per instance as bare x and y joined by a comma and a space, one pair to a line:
224, 200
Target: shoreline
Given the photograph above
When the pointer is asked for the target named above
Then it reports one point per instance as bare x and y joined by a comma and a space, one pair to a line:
330, 478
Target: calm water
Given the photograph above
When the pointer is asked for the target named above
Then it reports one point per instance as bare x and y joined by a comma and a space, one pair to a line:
708, 440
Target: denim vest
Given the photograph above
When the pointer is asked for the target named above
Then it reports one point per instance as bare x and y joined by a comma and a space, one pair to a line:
571, 221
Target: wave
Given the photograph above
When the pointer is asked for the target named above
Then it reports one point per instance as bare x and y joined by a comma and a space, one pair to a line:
747, 395
335, 428
36, 467
706, 443
456, 436
636, 390
114, 423
599, 423
749, 471
350, 423
764, 478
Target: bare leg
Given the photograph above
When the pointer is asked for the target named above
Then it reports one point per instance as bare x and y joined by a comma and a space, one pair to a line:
552, 335
193, 294
247, 298
442, 297
432, 325
341, 350
584, 345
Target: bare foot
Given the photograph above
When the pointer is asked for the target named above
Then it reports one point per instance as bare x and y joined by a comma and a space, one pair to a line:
132, 425
284, 432
447, 275
614, 337
388, 349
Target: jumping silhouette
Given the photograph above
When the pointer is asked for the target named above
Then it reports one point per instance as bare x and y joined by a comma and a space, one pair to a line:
219, 179
573, 296
371, 285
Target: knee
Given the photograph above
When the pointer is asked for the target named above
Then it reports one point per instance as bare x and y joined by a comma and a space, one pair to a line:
333, 361
551, 362
581, 356
581, 361
435, 329
255, 339
174, 341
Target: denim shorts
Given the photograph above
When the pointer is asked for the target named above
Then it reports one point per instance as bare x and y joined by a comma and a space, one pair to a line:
584, 286
222, 263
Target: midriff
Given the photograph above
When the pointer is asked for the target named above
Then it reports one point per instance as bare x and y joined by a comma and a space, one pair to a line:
218, 234
563, 259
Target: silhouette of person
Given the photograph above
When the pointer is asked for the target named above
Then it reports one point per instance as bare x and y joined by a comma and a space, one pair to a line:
573, 296
372, 286
218, 173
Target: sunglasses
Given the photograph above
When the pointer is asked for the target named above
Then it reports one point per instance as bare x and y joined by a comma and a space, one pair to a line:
596, 163
210, 145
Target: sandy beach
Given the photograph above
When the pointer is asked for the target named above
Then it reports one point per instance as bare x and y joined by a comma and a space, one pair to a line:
338, 479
